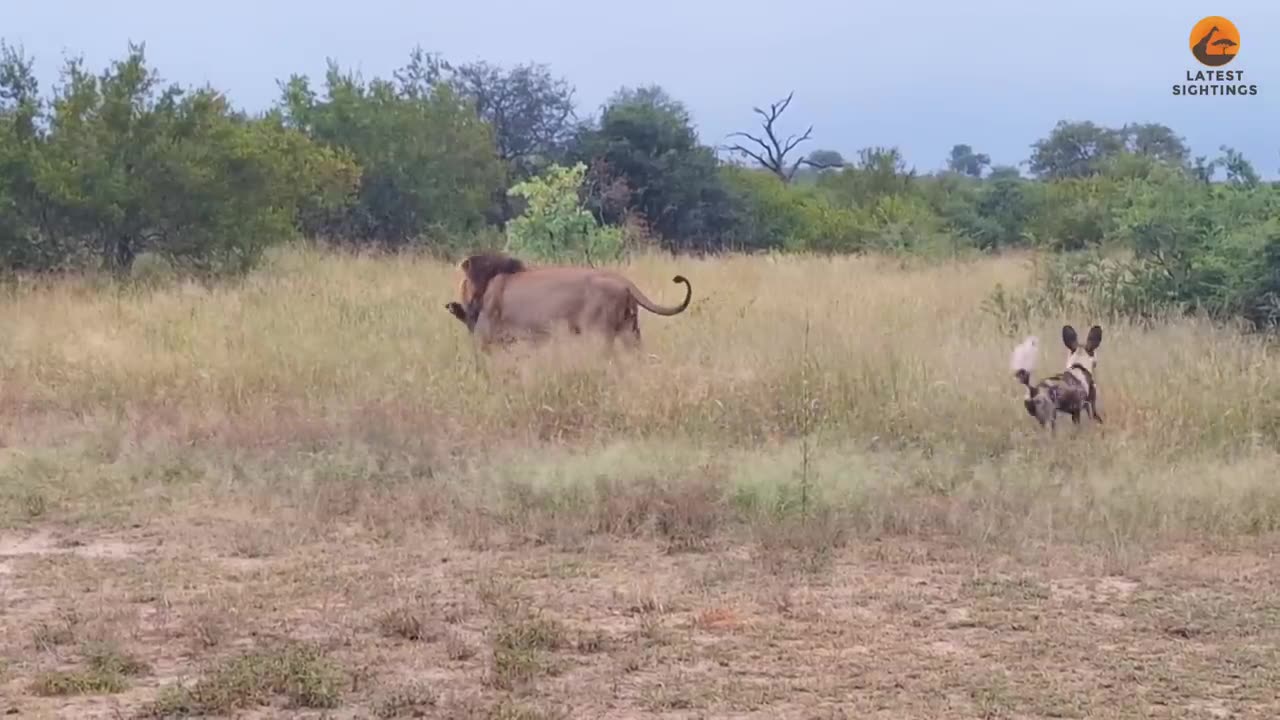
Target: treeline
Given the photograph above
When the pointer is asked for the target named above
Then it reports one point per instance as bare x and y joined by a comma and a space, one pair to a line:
449, 157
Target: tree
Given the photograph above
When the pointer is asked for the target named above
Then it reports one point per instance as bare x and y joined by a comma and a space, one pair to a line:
531, 114
530, 111
419, 77
772, 155
128, 167
647, 139
1004, 171
19, 91
606, 192
825, 160
1074, 149
1005, 206
21, 245
1155, 141
427, 160
1203, 169
965, 161
878, 172
1240, 171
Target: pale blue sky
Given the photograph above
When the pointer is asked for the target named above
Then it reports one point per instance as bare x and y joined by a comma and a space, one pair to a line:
922, 75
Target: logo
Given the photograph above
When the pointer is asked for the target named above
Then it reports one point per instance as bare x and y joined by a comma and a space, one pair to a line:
1215, 41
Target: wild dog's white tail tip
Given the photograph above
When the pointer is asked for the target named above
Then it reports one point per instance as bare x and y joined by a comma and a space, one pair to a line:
1024, 356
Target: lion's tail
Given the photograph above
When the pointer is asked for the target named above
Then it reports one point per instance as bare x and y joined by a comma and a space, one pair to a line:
649, 305
1023, 361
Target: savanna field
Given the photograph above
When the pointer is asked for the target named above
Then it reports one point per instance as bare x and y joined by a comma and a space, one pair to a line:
815, 494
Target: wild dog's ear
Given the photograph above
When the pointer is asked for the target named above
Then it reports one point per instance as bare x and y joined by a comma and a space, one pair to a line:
1069, 338
465, 264
1092, 342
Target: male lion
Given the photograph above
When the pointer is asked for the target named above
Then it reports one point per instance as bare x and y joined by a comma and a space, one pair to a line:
503, 298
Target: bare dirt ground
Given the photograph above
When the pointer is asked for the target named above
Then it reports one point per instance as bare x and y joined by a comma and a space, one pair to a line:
433, 625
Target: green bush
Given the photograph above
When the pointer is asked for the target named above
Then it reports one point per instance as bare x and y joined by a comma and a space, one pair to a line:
901, 223
776, 215
1204, 248
555, 225
427, 161
113, 166
818, 218
1074, 214
1177, 245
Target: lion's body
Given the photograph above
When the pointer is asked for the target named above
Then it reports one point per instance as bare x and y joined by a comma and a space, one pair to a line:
504, 300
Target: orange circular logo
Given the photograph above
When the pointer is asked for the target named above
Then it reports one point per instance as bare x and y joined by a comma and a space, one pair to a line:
1215, 41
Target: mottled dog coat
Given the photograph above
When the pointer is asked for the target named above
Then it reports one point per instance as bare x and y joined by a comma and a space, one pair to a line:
1073, 391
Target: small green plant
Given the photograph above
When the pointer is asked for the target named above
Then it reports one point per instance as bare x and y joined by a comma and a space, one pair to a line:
408, 700
60, 631
405, 622
106, 658
106, 672
520, 645
457, 648
77, 682
300, 672
34, 504
555, 225
511, 710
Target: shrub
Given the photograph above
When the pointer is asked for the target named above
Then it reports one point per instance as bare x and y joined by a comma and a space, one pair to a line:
776, 215
113, 166
1075, 213
555, 224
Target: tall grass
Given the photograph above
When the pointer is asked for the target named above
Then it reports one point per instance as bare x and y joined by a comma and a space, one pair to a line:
330, 371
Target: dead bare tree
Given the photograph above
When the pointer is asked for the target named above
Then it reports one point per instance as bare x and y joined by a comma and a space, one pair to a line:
773, 152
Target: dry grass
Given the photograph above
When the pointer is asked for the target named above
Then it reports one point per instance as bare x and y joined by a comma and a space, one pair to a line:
819, 455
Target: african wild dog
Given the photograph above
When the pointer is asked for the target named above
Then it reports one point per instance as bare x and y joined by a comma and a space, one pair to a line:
1072, 391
